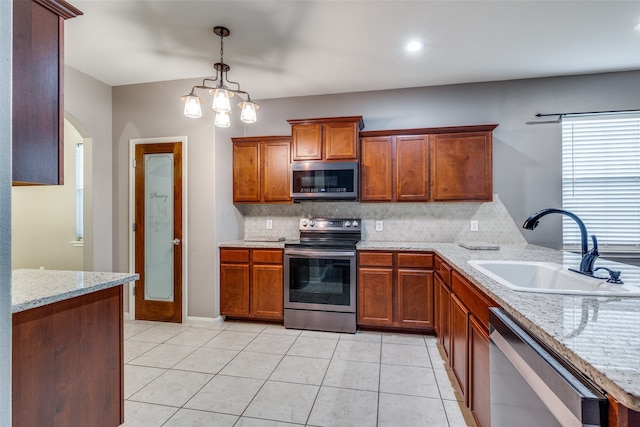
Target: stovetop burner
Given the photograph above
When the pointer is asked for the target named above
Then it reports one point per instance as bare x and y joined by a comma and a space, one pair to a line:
328, 233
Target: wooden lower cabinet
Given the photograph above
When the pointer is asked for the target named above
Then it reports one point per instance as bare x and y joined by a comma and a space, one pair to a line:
395, 290
67, 362
463, 331
459, 339
375, 296
251, 283
479, 396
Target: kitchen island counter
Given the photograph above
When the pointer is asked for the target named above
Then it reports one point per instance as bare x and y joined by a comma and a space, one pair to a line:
600, 336
67, 348
35, 288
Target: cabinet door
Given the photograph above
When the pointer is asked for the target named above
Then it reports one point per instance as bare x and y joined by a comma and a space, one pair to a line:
376, 169
412, 168
307, 141
459, 339
462, 167
444, 305
267, 291
234, 289
275, 172
375, 296
479, 393
415, 298
246, 172
340, 141
37, 127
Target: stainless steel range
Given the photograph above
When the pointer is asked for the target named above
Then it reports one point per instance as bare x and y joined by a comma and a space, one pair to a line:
320, 276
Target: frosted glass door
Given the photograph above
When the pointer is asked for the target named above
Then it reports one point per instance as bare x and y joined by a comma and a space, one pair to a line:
158, 219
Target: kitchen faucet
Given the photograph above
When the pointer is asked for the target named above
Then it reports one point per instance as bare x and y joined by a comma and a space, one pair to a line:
588, 256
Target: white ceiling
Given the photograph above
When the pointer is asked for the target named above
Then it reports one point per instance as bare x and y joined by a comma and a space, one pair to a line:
283, 48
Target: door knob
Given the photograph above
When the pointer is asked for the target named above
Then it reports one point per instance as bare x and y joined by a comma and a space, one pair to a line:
176, 242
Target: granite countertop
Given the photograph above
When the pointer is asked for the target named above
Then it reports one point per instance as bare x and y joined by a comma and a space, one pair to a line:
35, 288
600, 336
255, 244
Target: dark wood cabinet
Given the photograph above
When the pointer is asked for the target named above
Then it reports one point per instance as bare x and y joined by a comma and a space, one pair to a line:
251, 283
395, 169
462, 166
261, 170
442, 302
67, 362
430, 164
37, 104
463, 331
331, 139
395, 290
459, 339
479, 396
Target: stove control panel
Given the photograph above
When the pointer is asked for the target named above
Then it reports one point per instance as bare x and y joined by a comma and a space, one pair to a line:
324, 224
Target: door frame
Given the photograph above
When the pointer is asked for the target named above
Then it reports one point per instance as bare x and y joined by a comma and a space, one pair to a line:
185, 217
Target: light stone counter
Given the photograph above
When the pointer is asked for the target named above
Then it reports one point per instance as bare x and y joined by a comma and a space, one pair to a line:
600, 336
250, 244
35, 288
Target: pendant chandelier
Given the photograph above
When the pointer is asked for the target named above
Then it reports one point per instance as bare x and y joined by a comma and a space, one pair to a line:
222, 94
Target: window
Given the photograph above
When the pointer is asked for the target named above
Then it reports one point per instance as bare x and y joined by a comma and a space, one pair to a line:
601, 180
79, 190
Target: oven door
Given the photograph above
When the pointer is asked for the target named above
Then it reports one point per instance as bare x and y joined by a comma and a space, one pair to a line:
320, 279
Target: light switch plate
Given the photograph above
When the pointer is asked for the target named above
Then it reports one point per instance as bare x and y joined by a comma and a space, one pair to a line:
473, 225
379, 226
269, 224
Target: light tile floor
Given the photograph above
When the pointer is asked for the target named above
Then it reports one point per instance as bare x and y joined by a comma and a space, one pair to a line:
259, 375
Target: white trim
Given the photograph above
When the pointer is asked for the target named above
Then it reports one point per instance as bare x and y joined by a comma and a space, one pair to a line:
185, 238
204, 321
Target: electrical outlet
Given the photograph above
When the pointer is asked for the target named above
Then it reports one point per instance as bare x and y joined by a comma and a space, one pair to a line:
379, 226
269, 224
473, 225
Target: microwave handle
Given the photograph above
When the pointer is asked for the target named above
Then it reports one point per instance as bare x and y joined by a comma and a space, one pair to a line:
308, 254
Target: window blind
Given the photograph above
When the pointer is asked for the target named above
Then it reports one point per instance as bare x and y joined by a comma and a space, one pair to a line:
601, 180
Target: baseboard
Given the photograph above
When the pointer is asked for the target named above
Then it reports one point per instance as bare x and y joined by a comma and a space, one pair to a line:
203, 321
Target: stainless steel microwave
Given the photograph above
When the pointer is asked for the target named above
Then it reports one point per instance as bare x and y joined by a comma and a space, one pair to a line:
324, 180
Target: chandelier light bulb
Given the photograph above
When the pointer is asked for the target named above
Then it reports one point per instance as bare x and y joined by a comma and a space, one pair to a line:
192, 106
248, 114
221, 102
222, 120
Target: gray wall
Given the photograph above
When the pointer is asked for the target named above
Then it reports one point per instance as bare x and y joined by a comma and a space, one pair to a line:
87, 104
5, 211
526, 157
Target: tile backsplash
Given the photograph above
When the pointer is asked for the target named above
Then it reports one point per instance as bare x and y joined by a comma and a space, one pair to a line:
408, 222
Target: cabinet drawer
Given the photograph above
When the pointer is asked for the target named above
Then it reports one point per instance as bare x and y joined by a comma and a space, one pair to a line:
421, 260
234, 255
376, 259
267, 256
443, 270
476, 300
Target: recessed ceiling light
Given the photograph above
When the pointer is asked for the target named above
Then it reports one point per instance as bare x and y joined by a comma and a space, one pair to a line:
414, 46
637, 27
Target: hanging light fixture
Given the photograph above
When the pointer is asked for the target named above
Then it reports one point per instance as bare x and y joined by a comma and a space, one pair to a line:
222, 94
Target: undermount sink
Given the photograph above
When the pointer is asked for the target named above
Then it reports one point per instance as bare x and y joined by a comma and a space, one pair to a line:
547, 277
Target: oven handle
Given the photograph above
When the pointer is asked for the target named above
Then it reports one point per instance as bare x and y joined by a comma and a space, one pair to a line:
320, 253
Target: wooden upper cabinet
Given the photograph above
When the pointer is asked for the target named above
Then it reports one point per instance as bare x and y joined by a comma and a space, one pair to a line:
261, 172
274, 167
307, 141
331, 139
376, 169
38, 111
430, 164
412, 168
462, 167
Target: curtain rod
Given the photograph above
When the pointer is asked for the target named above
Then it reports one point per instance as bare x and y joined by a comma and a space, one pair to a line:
584, 113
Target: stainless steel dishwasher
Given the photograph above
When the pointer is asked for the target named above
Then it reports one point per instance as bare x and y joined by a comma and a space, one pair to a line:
529, 387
